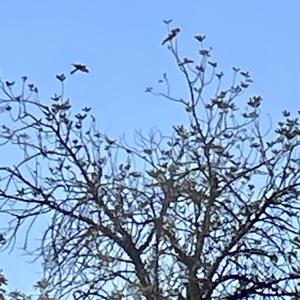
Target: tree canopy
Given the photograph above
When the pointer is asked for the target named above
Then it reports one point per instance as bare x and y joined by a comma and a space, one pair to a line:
210, 211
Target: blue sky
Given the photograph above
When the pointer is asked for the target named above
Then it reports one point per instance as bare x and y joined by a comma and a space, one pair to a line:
121, 43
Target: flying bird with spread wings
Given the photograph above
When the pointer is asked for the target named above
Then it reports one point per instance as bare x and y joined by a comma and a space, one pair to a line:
79, 67
171, 35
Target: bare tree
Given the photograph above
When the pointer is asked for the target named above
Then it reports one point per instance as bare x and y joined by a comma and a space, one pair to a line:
209, 212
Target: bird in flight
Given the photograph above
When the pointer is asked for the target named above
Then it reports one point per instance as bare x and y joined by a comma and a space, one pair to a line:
79, 67
171, 35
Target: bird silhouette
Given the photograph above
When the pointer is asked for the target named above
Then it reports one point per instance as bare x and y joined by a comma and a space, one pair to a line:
79, 67
171, 35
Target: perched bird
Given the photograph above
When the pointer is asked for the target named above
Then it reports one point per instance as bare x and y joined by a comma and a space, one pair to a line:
171, 35
79, 67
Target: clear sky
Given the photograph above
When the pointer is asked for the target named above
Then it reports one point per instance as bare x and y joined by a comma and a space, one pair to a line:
121, 43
